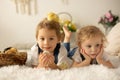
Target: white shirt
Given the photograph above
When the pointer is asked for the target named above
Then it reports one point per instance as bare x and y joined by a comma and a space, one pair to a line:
105, 56
63, 60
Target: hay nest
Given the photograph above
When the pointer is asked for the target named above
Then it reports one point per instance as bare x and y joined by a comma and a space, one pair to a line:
13, 59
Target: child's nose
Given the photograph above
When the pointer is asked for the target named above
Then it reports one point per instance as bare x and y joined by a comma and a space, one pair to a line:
93, 49
46, 42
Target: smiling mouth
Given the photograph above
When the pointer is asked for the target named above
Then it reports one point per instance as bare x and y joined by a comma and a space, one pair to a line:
46, 48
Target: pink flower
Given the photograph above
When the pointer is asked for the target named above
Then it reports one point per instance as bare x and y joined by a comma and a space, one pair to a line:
105, 20
109, 19
108, 15
100, 20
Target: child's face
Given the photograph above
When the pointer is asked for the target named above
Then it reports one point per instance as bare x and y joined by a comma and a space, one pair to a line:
47, 39
92, 46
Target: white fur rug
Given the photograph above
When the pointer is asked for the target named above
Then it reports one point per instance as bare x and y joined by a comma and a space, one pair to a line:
93, 72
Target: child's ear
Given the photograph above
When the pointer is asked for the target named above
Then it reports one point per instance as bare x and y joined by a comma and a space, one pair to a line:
37, 40
59, 40
79, 44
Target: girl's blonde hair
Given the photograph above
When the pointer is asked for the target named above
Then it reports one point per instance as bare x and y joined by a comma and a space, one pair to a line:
89, 32
51, 25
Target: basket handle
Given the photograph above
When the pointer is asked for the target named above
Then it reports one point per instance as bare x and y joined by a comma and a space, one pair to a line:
65, 13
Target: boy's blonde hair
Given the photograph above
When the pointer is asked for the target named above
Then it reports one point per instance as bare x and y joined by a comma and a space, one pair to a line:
89, 32
51, 25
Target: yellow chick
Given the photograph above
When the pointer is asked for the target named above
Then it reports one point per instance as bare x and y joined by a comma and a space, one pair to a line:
63, 66
52, 16
70, 25
10, 50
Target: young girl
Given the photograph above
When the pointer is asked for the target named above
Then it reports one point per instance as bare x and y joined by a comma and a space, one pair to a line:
48, 38
90, 50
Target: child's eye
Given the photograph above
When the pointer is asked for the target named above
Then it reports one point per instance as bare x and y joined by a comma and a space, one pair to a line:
42, 39
89, 46
97, 45
51, 38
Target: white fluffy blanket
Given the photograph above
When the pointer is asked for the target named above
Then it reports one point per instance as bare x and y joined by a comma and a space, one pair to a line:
114, 40
93, 72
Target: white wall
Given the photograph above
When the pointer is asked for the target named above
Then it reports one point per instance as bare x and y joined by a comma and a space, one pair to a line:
18, 28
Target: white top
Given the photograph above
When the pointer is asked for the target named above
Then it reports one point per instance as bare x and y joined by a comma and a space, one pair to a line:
63, 60
105, 56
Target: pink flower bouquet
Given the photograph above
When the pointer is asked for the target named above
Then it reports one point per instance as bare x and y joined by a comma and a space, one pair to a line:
109, 19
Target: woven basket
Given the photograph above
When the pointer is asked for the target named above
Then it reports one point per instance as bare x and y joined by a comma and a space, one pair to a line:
13, 59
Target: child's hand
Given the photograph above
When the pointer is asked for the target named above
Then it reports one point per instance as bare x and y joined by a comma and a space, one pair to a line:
66, 31
99, 56
87, 57
46, 59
